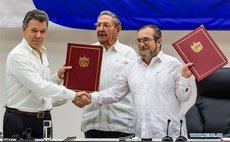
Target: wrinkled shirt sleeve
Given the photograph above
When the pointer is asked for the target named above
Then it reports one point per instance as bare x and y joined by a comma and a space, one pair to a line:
114, 93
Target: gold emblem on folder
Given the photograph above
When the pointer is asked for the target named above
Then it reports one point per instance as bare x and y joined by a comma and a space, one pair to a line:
83, 62
196, 47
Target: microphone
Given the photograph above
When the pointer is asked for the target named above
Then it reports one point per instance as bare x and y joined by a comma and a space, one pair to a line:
167, 137
181, 138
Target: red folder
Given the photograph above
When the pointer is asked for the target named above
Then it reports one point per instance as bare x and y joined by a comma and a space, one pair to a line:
199, 48
86, 67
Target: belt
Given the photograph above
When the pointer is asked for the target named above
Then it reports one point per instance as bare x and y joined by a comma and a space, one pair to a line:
40, 114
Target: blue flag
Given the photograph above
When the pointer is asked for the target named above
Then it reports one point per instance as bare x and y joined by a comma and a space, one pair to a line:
167, 14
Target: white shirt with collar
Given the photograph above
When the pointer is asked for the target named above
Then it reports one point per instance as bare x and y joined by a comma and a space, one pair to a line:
158, 91
118, 116
29, 86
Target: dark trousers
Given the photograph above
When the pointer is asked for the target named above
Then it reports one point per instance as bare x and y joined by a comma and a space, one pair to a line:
20, 126
105, 134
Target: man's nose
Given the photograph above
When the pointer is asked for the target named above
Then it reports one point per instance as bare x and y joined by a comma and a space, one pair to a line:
38, 34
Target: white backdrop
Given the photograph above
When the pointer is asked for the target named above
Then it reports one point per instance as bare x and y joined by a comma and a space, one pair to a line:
12, 12
67, 118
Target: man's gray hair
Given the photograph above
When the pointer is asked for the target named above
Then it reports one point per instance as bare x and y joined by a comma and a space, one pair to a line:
116, 19
156, 29
38, 15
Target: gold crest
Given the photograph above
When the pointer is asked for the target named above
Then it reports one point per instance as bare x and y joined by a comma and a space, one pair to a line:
83, 62
196, 47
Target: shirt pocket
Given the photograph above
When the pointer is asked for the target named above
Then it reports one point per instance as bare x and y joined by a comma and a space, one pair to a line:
46, 71
165, 82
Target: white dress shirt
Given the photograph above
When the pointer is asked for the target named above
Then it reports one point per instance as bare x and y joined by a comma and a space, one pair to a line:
158, 91
29, 86
118, 116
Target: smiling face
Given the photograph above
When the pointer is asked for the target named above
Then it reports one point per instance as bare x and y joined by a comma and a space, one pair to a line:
107, 33
35, 33
148, 46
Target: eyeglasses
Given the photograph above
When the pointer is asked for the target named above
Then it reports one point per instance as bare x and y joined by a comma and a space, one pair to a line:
145, 40
103, 25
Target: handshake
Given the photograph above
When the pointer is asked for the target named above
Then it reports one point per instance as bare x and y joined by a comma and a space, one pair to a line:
82, 99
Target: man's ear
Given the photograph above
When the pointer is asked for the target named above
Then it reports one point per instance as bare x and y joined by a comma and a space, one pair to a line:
159, 41
119, 28
23, 28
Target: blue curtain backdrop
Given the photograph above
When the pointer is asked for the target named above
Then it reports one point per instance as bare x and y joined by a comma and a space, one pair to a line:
167, 14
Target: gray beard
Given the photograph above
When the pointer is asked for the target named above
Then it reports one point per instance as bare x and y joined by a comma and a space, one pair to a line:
149, 55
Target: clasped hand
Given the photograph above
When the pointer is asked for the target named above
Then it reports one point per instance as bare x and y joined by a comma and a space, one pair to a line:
82, 99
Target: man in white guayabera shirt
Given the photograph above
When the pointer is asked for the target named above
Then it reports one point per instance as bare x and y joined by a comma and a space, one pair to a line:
110, 120
159, 85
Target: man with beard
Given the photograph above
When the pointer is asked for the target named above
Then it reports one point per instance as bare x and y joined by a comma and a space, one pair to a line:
159, 85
